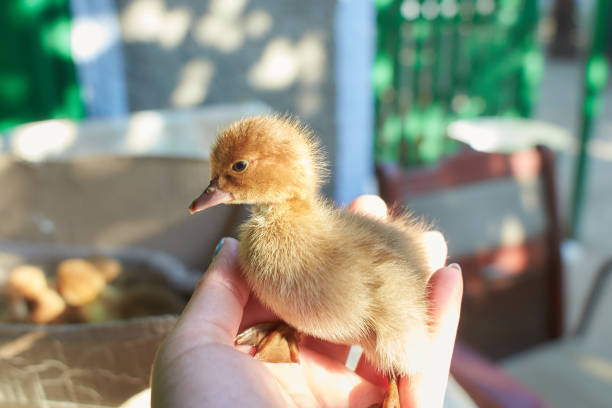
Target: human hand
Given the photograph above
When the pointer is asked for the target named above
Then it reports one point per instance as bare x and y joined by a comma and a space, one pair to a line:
199, 365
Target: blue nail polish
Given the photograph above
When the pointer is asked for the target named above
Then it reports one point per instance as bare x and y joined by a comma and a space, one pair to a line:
218, 247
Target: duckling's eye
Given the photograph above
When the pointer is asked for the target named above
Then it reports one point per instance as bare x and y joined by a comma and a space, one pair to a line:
239, 166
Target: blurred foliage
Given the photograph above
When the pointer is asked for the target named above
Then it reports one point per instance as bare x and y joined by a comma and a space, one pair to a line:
37, 74
440, 60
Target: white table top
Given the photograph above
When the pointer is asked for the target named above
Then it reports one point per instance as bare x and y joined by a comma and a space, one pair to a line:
506, 135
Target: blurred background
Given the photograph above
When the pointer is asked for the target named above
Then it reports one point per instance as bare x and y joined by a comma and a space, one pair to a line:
490, 118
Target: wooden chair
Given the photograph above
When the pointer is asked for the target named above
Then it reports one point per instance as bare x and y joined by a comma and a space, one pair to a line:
487, 384
570, 372
513, 291
574, 371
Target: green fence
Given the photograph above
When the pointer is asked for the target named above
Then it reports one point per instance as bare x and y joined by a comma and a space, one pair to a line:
595, 78
440, 60
37, 74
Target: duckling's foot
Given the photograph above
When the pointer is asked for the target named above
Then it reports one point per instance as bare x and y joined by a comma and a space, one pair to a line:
255, 334
274, 342
391, 399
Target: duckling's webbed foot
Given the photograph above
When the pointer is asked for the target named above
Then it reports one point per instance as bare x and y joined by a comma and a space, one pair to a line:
274, 342
391, 399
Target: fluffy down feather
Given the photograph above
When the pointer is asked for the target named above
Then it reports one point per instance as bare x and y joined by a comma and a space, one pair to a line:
329, 273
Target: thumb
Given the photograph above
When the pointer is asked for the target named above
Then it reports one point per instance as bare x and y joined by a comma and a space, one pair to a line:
215, 309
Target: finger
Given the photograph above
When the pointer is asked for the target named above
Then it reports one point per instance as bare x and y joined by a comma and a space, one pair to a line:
370, 373
370, 206
215, 309
336, 352
428, 388
436, 248
336, 385
255, 312
445, 300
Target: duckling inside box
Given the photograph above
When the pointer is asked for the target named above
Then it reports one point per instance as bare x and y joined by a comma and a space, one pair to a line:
62, 284
98, 352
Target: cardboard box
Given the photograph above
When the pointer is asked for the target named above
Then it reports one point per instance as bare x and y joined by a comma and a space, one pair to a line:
120, 185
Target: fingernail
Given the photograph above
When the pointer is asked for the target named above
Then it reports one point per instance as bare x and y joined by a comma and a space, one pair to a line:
218, 247
455, 266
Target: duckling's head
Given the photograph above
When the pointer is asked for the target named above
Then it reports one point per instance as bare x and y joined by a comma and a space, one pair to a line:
263, 160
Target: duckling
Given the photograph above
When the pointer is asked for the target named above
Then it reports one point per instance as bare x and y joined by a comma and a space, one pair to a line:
27, 281
109, 268
79, 281
48, 307
30, 283
326, 272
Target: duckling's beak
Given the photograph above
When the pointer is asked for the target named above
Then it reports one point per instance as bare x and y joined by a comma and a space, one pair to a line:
212, 196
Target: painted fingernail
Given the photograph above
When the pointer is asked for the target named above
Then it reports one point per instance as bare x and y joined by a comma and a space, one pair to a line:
455, 266
218, 247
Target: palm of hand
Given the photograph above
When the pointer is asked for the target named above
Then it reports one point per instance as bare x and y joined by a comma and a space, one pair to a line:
199, 365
